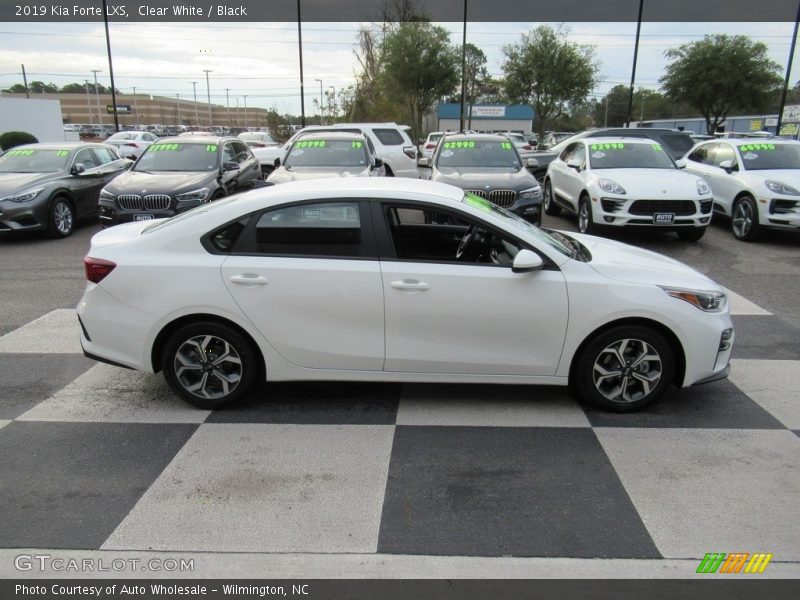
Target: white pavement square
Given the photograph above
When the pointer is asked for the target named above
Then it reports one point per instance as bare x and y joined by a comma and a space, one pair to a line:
266, 488
108, 394
705, 490
494, 406
774, 384
4, 423
57, 332
741, 306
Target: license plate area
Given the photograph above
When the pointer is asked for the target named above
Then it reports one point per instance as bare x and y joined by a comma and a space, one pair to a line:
143, 217
663, 218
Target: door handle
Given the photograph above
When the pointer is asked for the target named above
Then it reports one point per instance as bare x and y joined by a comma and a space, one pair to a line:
249, 279
409, 285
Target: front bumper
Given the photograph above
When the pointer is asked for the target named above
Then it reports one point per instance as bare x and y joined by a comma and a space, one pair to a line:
112, 214
782, 213
620, 211
23, 216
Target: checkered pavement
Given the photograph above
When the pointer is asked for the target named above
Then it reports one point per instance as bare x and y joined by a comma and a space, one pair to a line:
97, 457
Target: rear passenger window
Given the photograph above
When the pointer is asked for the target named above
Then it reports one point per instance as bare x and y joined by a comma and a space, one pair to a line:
324, 229
224, 239
389, 137
703, 154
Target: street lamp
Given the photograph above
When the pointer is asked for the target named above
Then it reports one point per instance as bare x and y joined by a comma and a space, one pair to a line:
245, 111
88, 104
333, 87
97, 96
320, 101
196, 118
208, 93
228, 105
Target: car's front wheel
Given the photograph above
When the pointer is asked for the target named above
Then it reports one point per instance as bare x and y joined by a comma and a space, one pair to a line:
586, 222
60, 219
625, 368
210, 365
744, 222
550, 207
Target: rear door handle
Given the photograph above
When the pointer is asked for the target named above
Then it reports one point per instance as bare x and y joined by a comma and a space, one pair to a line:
409, 285
249, 279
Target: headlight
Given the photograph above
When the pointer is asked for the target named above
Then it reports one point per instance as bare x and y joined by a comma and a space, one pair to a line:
25, 196
531, 193
702, 188
704, 300
200, 194
781, 188
105, 195
612, 187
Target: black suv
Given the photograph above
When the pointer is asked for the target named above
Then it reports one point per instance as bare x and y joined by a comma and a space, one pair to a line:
176, 174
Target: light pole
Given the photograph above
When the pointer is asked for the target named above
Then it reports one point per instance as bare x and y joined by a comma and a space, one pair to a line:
88, 104
245, 111
178, 97
135, 107
333, 87
228, 105
320, 101
208, 93
97, 96
196, 118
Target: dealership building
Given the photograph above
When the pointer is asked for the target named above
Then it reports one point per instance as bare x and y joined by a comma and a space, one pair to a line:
481, 117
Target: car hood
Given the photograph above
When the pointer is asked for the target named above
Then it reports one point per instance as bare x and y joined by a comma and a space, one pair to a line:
480, 178
12, 183
282, 174
626, 263
653, 184
788, 176
140, 182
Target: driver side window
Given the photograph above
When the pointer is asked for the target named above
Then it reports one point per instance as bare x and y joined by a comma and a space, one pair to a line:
85, 157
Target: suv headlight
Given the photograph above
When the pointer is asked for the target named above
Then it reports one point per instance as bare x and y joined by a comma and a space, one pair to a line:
704, 300
702, 188
610, 186
200, 195
781, 188
106, 195
531, 193
25, 196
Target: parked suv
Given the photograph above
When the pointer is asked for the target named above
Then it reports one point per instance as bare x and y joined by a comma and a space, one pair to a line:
176, 174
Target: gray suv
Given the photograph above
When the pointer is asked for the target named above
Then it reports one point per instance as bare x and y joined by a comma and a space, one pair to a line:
488, 166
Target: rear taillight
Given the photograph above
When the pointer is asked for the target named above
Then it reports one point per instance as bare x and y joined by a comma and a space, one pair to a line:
134, 144
410, 151
259, 145
429, 146
526, 147
97, 268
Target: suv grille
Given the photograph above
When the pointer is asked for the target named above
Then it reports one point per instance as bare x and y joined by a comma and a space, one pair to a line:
136, 202
649, 207
503, 198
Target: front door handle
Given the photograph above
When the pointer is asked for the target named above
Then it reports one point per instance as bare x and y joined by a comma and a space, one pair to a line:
249, 279
409, 285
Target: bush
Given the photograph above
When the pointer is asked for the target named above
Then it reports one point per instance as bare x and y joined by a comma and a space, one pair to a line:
10, 139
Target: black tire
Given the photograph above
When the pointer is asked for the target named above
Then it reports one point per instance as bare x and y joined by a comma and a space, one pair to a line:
641, 339
60, 218
550, 207
743, 209
588, 225
212, 337
692, 235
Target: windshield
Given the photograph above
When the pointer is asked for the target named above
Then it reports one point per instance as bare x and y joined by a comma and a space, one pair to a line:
478, 153
619, 155
516, 222
178, 157
33, 161
760, 157
327, 153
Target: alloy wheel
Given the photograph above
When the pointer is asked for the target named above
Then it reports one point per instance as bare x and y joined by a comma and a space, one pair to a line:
583, 217
62, 215
627, 370
742, 219
208, 366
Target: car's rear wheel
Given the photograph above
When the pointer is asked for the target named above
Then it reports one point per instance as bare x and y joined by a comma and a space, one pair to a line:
625, 368
586, 222
210, 365
60, 219
550, 207
692, 235
744, 223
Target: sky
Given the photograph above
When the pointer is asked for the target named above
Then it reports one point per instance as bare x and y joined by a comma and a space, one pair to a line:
260, 60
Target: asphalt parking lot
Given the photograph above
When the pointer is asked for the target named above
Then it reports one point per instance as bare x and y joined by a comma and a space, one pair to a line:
400, 480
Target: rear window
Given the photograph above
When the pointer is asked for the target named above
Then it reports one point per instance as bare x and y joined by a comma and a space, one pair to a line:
678, 144
389, 137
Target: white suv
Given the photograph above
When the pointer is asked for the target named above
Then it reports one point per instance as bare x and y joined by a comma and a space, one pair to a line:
754, 182
390, 140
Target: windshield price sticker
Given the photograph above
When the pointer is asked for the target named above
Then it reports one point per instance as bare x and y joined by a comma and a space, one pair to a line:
609, 146
459, 144
657, 147
748, 147
62, 153
165, 147
506, 145
211, 148
20, 152
311, 144
358, 145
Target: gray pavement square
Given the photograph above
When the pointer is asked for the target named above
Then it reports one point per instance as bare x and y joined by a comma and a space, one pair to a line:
28, 379
491, 491
773, 384
765, 338
68, 485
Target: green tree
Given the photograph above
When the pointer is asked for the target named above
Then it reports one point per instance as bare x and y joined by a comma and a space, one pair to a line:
17, 88
40, 87
419, 67
549, 72
720, 74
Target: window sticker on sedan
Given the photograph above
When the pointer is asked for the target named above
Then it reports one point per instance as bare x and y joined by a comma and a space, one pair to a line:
657, 147
20, 152
211, 148
62, 153
358, 145
164, 147
608, 146
311, 144
747, 147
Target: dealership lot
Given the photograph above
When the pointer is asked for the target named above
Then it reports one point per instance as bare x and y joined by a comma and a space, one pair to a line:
98, 458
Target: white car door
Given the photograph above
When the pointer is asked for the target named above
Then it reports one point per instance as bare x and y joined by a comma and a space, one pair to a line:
465, 317
306, 277
560, 175
574, 177
701, 163
726, 184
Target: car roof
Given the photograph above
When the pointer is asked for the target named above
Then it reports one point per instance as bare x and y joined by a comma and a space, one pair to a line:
617, 138
60, 145
331, 135
749, 141
496, 137
199, 139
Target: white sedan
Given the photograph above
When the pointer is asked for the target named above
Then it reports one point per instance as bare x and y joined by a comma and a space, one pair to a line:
754, 182
378, 279
626, 182
131, 144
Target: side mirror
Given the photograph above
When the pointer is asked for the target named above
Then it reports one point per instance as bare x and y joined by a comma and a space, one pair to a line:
526, 261
378, 163
277, 162
78, 168
424, 163
230, 166
680, 163
574, 163
727, 165
531, 163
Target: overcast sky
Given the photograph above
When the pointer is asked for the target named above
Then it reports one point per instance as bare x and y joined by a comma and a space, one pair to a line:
261, 59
